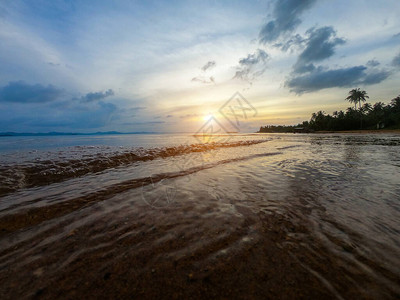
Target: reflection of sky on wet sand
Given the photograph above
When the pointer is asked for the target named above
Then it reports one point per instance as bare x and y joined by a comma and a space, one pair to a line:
332, 197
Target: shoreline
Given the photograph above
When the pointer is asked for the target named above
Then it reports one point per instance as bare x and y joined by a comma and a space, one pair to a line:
367, 131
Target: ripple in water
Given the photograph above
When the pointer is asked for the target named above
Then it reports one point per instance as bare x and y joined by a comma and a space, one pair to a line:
299, 216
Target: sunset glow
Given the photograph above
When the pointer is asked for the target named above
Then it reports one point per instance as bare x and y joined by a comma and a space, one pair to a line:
148, 66
207, 117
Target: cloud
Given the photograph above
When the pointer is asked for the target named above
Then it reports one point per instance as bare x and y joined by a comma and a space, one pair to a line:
143, 123
57, 110
189, 116
47, 117
90, 97
21, 92
291, 42
132, 111
95, 117
321, 78
286, 14
209, 65
137, 108
203, 79
53, 64
396, 60
320, 45
375, 77
373, 63
252, 66
255, 58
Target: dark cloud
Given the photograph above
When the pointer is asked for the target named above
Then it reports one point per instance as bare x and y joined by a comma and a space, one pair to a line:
320, 45
375, 77
260, 56
209, 65
90, 97
79, 116
320, 79
252, 66
169, 116
21, 92
291, 42
345, 77
396, 60
373, 63
286, 14
57, 109
303, 68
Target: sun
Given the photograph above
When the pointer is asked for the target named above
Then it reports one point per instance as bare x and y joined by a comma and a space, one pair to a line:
207, 117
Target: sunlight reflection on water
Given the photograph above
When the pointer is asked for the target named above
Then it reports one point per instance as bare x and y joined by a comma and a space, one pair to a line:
339, 193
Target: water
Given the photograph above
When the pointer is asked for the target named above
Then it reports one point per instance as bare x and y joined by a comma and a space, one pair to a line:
155, 216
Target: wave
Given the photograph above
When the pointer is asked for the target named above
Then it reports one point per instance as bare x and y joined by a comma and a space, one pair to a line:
35, 215
44, 172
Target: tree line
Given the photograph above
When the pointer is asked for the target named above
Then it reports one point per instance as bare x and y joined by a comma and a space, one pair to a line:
363, 116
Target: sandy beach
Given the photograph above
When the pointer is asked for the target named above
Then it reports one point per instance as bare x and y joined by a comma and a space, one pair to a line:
278, 216
389, 131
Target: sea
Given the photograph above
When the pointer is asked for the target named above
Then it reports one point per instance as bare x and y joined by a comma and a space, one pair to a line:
155, 216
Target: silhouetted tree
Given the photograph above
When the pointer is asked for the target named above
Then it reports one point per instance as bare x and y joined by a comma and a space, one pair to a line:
366, 108
352, 97
356, 96
395, 104
372, 115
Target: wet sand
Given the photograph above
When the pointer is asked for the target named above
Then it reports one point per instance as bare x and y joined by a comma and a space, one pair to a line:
382, 131
267, 265
294, 217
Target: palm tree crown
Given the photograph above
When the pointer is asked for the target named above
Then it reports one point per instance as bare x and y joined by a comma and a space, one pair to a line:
356, 96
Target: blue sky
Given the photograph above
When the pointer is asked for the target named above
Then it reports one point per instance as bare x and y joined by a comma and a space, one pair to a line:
167, 66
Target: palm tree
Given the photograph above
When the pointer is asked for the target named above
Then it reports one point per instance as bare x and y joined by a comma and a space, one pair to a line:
395, 104
366, 108
356, 95
362, 95
352, 97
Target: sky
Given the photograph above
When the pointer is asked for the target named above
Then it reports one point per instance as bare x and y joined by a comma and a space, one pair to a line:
173, 66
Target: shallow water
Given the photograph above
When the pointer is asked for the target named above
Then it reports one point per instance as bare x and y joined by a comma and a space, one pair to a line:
275, 215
